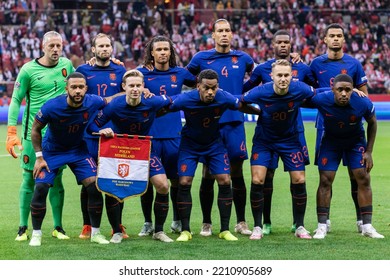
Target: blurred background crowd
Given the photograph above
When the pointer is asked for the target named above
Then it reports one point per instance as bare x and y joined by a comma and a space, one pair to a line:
188, 24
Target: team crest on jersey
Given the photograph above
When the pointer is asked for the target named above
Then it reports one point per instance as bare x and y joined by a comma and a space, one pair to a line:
343, 71
234, 59
324, 161
290, 104
183, 168
173, 78
145, 114
294, 73
64, 72
352, 118
26, 159
123, 170
217, 111
85, 116
255, 156
112, 76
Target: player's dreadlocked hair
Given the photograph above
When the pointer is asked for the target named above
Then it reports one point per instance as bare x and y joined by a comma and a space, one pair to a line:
149, 60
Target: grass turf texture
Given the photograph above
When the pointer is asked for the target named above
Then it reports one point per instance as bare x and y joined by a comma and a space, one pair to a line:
343, 243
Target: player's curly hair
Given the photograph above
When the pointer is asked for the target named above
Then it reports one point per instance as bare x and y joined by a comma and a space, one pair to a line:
149, 59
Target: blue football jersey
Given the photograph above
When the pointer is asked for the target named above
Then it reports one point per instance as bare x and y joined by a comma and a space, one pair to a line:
343, 122
66, 125
126, 119
202, 119
278, 118
167, 83
262, 74
231, 68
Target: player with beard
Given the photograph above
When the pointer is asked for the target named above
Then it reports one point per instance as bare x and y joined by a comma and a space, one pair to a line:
104, 79
66, 117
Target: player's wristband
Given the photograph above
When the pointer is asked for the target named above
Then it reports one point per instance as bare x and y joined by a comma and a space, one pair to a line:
38, 154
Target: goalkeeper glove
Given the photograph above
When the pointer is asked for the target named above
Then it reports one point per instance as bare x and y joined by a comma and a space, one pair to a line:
12, 140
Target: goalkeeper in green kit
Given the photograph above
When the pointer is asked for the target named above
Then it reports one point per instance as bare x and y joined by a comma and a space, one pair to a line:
38, 81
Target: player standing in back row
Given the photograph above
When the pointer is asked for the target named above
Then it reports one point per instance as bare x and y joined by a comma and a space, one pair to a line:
231, 66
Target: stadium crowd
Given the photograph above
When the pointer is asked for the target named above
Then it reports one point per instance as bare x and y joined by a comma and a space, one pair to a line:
188, 24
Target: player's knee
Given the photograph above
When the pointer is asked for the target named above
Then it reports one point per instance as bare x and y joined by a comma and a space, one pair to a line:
40, 194
223, 179
299, 189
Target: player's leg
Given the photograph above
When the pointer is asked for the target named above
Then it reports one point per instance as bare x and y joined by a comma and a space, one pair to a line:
113, 214
233, 136
220, 167
187, 164
161, 205
56, 198
169, 153
26, 189
146, 206
257, 197
363, 179
206, 198
354, 194
268, 191
327, 160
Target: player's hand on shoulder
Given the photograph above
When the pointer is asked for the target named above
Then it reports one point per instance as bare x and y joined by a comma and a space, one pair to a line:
147, 93
117, 61
359, 92
295, 58
91, 62
149, 67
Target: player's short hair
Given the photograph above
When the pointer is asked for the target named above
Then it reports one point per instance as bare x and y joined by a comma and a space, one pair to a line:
148, 58
75, 75
333, 26
49, 35
281, 62
132, 73
219, 20
98, 36
208, 74
342, 78
281, 32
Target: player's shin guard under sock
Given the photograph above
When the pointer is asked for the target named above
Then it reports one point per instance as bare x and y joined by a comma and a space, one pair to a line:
25, 196
299, 200
293, 207
147, 203
38, 205
173, 194
84, 205
225, 205
366, 214
257, 203
239, 197
206, 197
121, 206
161, 207
354, 194
322, 214
184, 205
113, 213
95, 205
268, 191
56, 198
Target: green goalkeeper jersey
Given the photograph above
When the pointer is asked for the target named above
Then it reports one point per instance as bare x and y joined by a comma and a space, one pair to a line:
37, 84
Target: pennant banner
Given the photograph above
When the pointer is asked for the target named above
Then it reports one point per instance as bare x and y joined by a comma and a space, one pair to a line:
123, 166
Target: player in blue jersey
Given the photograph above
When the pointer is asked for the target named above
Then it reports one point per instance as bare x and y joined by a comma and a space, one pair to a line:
133, 114
66, 117
342, 112
201, 138
166, 78
281, 43
231, 66
325, 68
104, 78
277, 132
